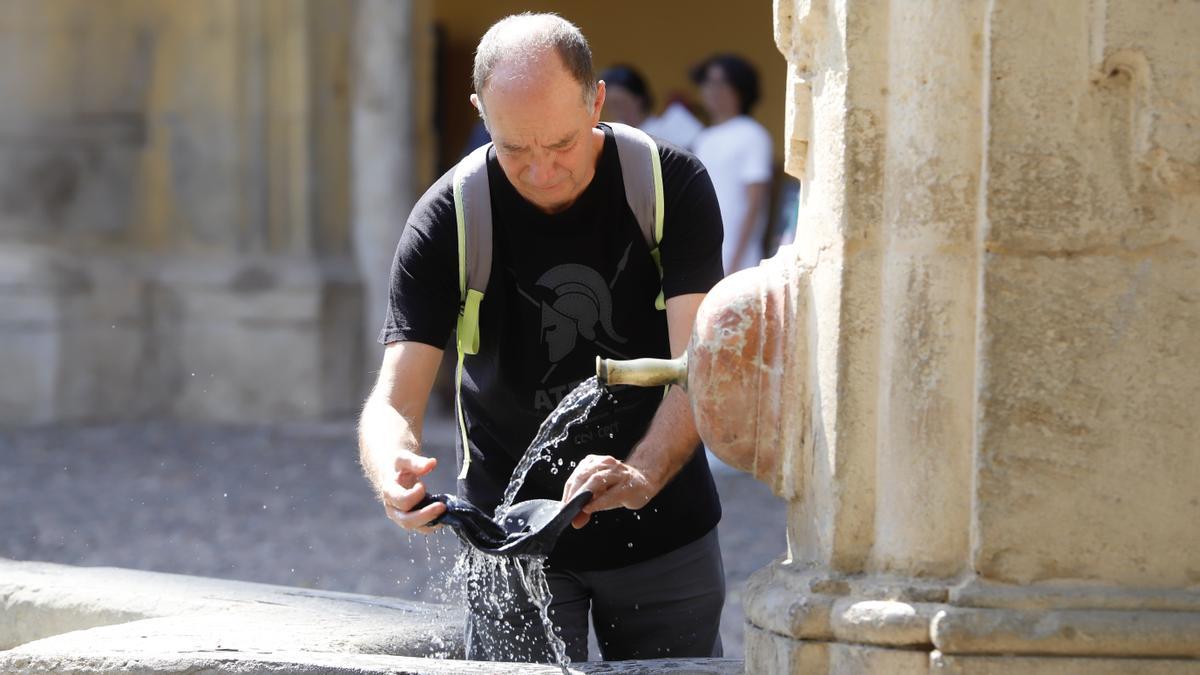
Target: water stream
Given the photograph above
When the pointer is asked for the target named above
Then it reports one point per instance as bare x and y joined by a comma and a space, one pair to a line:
489, 574
574, 408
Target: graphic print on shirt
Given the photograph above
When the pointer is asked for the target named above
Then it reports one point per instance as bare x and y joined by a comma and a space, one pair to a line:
581, 307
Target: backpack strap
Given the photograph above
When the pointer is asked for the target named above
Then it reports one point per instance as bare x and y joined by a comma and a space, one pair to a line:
473, 216
641, 171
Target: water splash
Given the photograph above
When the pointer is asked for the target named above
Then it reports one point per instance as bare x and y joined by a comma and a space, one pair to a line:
533, 580
487, 577
492, 580
574, 408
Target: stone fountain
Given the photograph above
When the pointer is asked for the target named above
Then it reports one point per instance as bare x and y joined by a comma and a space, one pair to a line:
974, 376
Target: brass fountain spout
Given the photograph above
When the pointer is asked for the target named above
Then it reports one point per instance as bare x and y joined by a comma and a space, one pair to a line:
643, 372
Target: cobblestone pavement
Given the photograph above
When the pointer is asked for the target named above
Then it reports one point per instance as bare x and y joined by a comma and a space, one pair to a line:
281, 504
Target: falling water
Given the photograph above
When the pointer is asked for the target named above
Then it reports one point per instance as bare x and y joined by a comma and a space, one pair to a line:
573, 409
533, 579
488, 575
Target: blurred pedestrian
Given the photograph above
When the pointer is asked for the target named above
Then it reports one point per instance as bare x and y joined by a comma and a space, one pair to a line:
736, 150
630, 102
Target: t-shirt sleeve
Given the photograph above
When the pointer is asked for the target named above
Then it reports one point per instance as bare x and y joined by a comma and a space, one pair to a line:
423, 296
757, 149
692, 232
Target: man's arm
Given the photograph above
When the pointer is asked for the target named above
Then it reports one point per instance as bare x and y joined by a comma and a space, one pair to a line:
389, 432
664, 450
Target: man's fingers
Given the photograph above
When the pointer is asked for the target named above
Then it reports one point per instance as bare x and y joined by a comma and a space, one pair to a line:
577, 478
417, 520
409, 467
587, 468
403, 498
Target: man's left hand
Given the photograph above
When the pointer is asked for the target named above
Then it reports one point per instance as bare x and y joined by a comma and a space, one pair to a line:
613, 484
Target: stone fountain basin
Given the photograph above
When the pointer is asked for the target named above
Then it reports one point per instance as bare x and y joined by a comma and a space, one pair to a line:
63, 619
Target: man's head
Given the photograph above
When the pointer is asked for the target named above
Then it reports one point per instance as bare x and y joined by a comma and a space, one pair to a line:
538, 95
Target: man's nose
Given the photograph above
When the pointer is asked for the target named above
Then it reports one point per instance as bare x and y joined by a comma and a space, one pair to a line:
541, 172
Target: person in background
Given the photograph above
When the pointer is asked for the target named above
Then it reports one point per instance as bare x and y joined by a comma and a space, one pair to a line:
630, 102
736, 150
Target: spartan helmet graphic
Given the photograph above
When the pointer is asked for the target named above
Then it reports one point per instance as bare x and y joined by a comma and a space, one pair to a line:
582, 300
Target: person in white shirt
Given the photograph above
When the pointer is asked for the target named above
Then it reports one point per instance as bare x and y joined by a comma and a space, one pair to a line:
629, 102
736, 150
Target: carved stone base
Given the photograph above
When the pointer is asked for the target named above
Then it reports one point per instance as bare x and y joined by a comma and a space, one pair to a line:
807, 621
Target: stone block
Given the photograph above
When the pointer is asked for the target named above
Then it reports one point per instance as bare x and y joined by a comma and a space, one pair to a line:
1086, 464
1099, 150
108, 336
944, 664
850, 659
768, 652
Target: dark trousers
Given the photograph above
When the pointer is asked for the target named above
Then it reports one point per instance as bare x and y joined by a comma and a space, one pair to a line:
665, 607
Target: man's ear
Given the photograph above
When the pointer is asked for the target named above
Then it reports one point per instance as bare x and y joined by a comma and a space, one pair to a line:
598, 104
477, 104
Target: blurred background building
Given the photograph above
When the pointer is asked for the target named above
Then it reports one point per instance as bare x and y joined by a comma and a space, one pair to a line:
199, 200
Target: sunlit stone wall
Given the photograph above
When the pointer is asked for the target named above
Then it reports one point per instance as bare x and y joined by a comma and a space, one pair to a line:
1001, 209
177, 212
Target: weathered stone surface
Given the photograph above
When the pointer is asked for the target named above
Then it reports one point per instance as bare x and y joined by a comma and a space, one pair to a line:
1070, 632
1001, 211
44, 600
148, 134
1033, 665
768, 652
852, 659
112, 336
1087, 441
62, 619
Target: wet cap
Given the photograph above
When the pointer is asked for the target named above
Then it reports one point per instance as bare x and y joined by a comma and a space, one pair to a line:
530, 528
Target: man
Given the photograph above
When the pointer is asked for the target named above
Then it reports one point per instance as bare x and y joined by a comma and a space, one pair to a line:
572, 277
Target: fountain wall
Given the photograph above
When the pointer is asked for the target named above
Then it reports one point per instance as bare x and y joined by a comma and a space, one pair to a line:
999, 228
177, 202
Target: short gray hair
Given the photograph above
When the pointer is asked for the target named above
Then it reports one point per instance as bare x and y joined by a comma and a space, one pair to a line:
528, 35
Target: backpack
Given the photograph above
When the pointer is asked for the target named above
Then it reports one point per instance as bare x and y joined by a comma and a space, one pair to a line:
641, 172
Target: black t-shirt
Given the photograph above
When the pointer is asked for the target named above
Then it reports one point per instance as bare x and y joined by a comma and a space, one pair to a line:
565, 288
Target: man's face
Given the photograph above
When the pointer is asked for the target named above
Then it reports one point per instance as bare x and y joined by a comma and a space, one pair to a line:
545, 135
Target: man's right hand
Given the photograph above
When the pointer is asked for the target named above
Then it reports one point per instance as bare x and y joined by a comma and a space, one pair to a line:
389, 431
401, 490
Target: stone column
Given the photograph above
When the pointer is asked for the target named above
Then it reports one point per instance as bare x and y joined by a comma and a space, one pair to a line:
1001, 214
174, 211
393, 141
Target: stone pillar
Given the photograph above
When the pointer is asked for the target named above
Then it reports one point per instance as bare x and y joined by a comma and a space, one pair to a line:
1001, 214
175, 211
392, 141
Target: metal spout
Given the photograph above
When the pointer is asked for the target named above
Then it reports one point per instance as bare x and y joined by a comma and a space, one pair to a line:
643, 372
